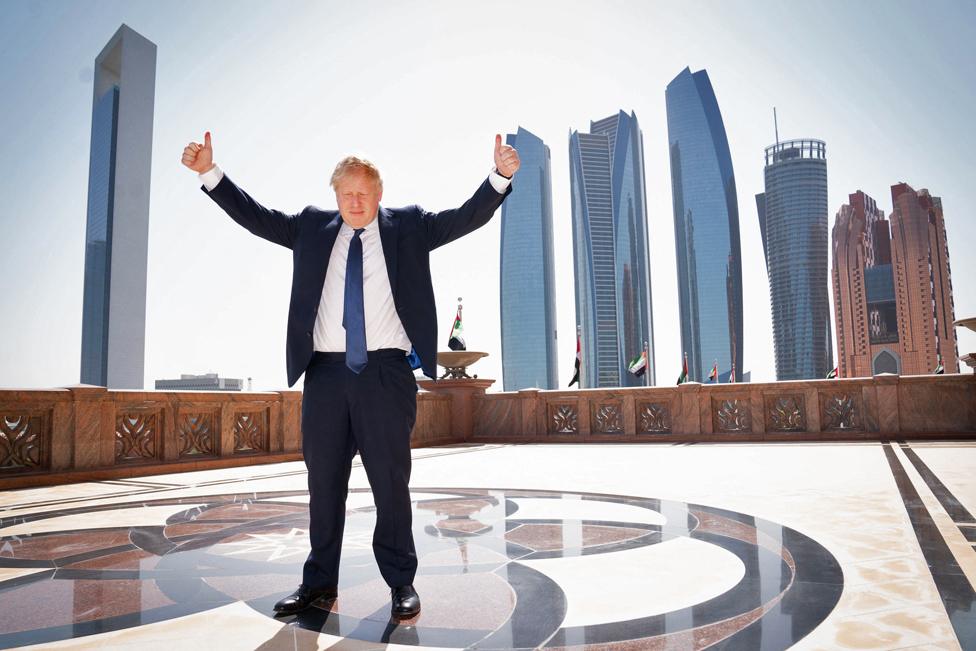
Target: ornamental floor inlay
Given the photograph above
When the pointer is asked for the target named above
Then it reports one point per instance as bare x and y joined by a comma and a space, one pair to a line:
748, 546
523, 573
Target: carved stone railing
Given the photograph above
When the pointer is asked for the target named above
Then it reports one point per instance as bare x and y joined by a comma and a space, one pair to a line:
879, 408
89, 433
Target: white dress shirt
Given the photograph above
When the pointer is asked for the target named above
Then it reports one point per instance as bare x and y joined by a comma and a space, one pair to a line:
383, 326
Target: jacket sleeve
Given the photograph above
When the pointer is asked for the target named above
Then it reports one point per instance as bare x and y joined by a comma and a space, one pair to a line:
448, 225
273, 225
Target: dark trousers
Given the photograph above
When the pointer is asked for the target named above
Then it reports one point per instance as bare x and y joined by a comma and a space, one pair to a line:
372, 412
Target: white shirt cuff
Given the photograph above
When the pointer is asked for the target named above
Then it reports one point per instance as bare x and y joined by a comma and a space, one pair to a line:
499, 182
211, 178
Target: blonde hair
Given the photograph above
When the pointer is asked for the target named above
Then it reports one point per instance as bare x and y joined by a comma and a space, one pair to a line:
355, 164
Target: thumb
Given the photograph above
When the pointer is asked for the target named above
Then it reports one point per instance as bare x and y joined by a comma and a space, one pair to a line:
206, 140
498, 143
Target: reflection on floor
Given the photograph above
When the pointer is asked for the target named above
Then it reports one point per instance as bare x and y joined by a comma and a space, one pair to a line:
807, 546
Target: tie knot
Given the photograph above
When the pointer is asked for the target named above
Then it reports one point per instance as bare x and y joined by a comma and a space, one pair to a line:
358, 231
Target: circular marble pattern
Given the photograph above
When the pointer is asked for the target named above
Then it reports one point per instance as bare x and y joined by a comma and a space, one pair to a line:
498, 569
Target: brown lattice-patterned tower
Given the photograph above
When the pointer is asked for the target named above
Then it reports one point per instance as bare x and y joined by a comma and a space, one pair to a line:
920, 257
862, 257
892, 291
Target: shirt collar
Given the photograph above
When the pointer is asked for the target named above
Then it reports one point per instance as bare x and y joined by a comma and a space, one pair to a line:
370, 228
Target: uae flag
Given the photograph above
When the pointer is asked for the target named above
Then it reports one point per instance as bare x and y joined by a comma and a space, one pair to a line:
684, 371
579, 361
638, 365
939, 369
713, 376
456, 342
832, 374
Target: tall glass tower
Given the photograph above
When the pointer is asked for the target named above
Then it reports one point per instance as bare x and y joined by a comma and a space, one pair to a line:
528, 290
793, 223
610, 250
113, 330
706, 228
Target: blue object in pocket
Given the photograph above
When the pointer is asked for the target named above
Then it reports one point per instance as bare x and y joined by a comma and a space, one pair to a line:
414, 359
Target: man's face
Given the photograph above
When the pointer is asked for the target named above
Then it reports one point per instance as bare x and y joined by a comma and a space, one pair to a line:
358, 197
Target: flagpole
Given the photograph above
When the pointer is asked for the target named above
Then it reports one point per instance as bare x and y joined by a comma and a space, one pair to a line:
732, 377
579, 344
647, 364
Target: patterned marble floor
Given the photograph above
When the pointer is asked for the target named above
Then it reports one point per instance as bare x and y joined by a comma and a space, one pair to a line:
772, 546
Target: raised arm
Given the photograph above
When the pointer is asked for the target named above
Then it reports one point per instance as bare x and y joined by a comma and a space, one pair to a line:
272, 225
448, 225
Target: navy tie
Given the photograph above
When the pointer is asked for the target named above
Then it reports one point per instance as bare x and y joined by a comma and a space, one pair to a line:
353, 314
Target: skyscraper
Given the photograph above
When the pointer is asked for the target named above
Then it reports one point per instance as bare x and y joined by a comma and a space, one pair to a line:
864, 294
610, 249
793, 224
706, 226
528, 290
892, 288
113, 338
923, 289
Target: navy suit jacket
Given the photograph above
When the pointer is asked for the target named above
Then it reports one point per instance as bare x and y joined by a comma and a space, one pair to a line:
408, 236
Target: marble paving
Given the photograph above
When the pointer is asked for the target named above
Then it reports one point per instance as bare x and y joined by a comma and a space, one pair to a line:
618, 547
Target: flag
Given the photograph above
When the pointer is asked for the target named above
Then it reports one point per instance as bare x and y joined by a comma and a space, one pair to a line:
456, 341
684, 371
579, 361
713, 376
939, 369
832, 374
638, 365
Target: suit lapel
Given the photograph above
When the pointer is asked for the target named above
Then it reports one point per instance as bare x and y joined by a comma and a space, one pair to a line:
388, 236
328, 232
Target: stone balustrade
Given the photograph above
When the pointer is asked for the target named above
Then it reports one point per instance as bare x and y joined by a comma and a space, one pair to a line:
89, 433
877, 408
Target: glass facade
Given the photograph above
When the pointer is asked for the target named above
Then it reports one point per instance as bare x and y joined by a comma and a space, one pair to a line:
98, 239
610, 250
527, 289
793, 223
879, 290
706, 225
113, 329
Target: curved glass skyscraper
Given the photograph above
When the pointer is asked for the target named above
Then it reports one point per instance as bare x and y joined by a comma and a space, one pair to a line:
610, 251
706, 228
528, 291
793, 223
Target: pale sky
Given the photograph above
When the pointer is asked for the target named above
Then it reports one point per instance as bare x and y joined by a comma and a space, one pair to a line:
288, 88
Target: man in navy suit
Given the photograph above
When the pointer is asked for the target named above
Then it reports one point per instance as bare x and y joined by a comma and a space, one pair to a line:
361, 300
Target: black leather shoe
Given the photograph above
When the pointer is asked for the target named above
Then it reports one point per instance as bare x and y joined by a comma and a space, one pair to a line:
406, 602
303, 598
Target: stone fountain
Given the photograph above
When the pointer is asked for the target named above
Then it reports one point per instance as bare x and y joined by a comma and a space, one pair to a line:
456, 363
